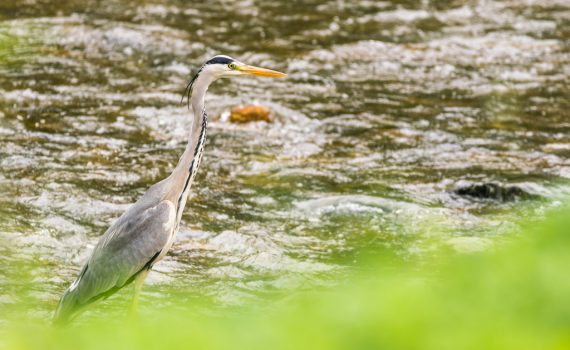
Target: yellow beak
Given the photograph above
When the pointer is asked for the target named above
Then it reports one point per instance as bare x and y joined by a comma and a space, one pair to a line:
260, 71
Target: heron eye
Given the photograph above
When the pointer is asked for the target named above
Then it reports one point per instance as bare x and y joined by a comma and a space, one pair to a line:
232, 66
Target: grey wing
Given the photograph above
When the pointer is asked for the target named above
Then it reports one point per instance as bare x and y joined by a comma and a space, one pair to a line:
129, 246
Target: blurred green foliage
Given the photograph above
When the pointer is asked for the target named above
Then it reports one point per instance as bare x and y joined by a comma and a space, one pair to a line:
516, 296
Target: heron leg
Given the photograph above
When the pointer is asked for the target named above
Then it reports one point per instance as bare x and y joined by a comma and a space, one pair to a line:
139, 281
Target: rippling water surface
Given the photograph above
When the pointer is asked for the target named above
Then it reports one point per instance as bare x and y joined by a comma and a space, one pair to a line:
388, 109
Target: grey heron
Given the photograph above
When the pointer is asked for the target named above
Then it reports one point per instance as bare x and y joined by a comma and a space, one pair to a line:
145, 232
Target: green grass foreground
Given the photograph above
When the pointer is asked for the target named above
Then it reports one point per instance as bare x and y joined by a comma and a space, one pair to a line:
514, 297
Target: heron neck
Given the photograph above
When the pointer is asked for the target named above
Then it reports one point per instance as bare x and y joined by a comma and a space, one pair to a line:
188, 164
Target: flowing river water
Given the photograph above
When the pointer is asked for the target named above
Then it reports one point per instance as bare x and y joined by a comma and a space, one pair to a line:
398, 120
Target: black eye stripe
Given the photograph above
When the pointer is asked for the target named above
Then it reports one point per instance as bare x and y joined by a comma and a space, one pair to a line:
220, 60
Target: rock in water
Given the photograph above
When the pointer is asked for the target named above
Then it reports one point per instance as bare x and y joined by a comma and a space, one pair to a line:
251, 113
494, 191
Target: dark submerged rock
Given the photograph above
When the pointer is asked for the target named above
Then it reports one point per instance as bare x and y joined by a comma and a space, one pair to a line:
493, 191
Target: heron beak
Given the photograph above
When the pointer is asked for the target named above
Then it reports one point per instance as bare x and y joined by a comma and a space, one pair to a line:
260, 71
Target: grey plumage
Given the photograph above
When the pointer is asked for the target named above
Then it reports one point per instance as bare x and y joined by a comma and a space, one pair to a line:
133, 243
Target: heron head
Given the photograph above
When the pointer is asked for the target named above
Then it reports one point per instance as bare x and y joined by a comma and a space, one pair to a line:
220, 67
224, 66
